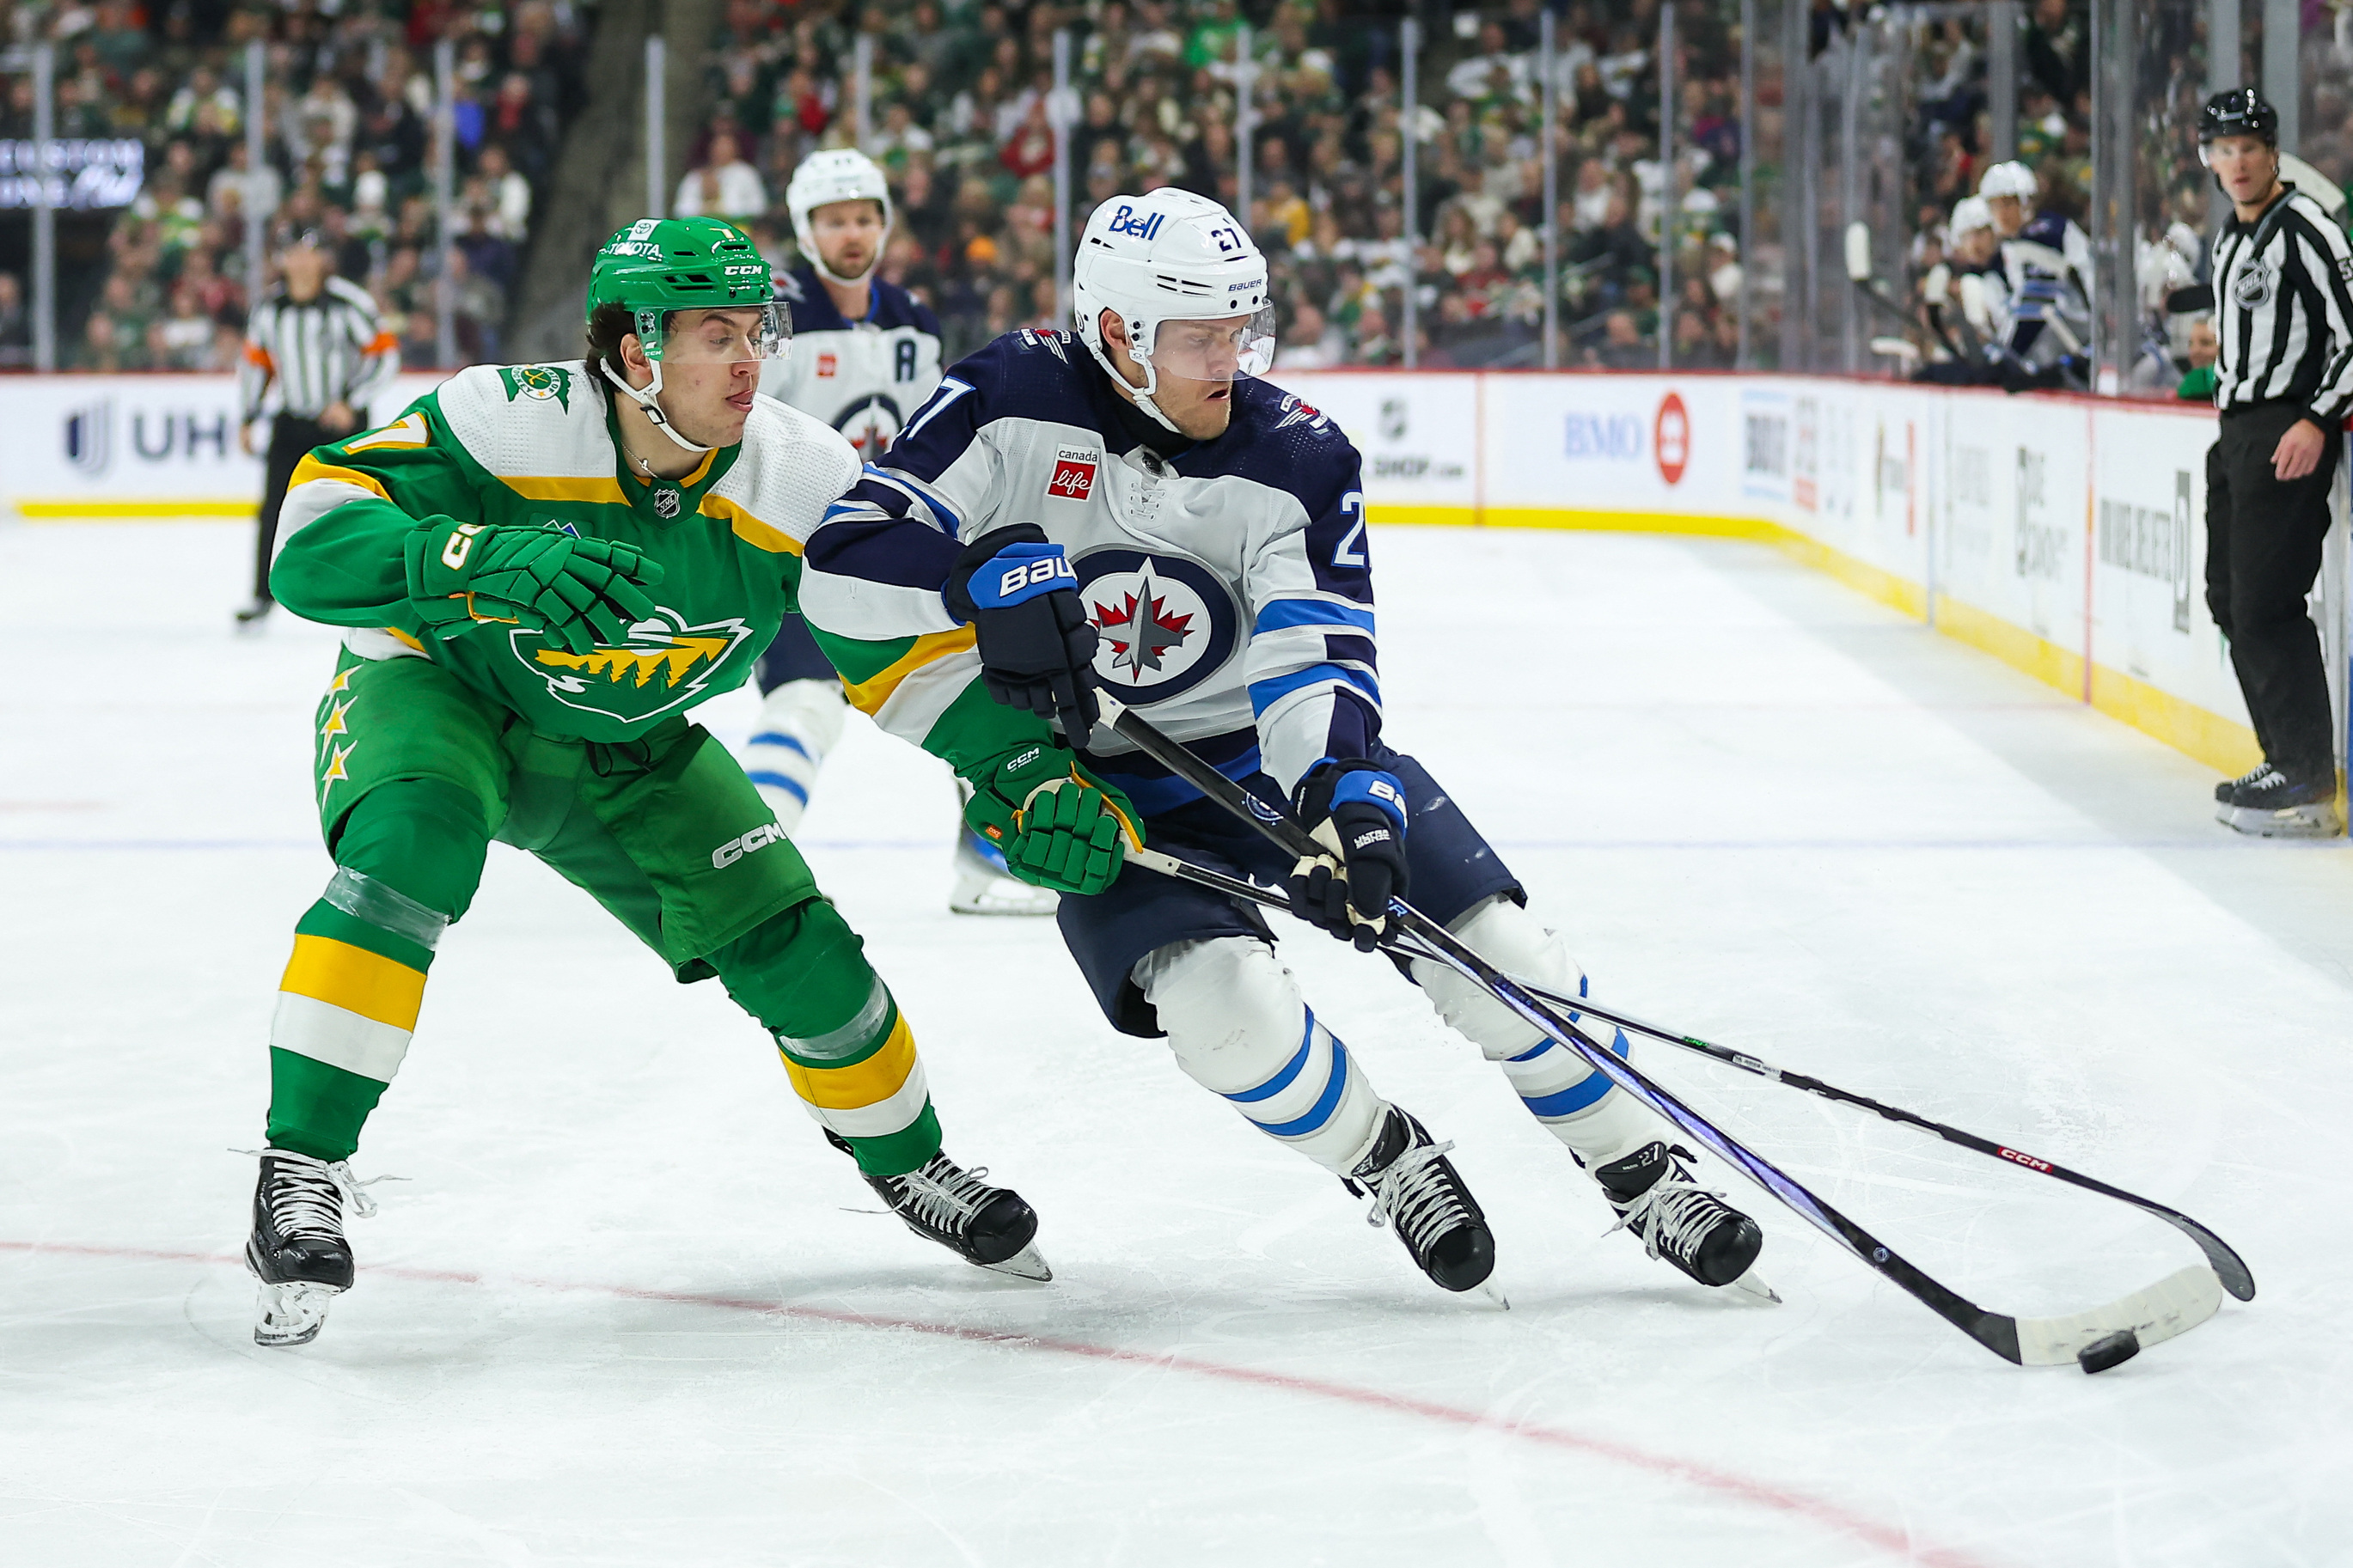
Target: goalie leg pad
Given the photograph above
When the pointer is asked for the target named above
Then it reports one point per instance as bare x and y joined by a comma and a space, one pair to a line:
1240, 1029
1576, 1105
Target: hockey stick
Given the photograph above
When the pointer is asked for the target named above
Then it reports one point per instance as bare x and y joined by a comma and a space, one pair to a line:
2228, 1266
2169, 1307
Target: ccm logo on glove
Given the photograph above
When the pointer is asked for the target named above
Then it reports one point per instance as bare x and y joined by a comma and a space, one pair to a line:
735, 849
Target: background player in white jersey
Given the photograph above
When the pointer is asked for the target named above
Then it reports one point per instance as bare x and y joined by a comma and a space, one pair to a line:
866, 354
1132, 508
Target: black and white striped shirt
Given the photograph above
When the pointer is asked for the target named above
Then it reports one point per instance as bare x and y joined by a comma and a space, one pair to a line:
325, 349
2284, 306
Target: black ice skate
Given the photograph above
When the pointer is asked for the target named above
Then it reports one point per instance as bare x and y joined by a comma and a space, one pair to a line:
943, 1202
297, 1249
1414, 1188
2269, 803
1691, 1229
2222, 791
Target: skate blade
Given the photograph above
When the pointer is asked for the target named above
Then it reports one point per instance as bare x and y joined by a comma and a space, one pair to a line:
2294, 822
292, 1314
1027, 1264
1755, 1286
998, 896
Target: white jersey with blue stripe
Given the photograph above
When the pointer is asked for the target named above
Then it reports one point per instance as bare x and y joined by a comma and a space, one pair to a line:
1230, 580
863, 378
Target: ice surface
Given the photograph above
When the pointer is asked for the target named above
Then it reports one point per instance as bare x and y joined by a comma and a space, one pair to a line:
628, 1309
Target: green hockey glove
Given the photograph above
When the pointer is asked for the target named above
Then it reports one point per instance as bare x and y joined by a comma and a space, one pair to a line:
1057, 826
581, 591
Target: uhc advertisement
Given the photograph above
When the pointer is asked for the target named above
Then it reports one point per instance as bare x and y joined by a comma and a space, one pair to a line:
144, 445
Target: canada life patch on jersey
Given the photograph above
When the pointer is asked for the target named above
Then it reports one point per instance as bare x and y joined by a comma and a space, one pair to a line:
828, 364
1074, 473
1165, 622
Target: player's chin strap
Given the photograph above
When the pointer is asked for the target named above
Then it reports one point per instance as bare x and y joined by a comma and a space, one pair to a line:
645, 402
1140, 395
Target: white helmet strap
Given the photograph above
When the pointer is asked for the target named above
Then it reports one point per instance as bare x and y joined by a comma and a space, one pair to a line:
648, 402
1140, 395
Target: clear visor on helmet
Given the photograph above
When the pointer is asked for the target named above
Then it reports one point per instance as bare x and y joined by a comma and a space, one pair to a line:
2206, 149
1218, 350
723, 337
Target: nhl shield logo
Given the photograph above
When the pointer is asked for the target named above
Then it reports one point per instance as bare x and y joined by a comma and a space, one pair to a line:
666, 502
2252, 287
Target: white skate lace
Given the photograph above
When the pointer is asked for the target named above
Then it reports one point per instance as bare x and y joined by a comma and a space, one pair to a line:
307, 1195
1674, 1216
2251, 775
1416, 1196
942, 1195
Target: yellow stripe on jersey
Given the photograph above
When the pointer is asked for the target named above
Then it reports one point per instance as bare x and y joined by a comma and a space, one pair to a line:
867, 696
410, 431
309, 469
749, 529
605, 491
355, 980
868, 1082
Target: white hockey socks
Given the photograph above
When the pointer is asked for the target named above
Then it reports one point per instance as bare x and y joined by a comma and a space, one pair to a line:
800, 722
1578, 1106
1240, 1029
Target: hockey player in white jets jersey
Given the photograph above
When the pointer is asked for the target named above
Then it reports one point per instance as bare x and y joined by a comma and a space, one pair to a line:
866, 354
1193, 540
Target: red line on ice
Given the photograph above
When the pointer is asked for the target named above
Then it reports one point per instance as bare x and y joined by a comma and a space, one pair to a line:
1706, 1478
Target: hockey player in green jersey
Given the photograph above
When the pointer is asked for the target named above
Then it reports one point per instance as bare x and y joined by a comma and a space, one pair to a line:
544, 567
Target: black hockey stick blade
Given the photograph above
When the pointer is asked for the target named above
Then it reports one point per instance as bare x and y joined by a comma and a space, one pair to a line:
2160, 1311
2229, 1268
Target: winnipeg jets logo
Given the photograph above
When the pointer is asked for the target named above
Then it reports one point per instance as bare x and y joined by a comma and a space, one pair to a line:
1164, 623
1141, 630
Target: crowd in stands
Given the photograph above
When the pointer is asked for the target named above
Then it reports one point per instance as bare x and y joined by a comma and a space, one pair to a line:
960, 117
347, 116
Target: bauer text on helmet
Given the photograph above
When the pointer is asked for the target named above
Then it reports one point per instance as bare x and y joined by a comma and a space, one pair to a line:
1188, 286
823, 179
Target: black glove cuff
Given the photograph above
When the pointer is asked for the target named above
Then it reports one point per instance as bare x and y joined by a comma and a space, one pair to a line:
956, 593
1311, 798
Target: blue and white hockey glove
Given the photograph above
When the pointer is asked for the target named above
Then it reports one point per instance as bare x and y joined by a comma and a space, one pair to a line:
1037, 646
1358, 812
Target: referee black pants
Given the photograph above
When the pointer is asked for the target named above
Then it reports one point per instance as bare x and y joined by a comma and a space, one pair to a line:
290, 440
2262, 551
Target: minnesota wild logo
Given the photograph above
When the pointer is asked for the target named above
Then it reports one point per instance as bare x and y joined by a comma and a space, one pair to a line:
540, 383
662, 664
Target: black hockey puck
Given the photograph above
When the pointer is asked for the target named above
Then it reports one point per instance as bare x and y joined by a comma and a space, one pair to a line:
2113, 1350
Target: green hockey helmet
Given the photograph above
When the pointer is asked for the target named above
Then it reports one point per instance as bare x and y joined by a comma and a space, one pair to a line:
656, 266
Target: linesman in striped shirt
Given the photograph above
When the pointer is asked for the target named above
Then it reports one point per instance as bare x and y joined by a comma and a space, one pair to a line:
316, 357
2283, 296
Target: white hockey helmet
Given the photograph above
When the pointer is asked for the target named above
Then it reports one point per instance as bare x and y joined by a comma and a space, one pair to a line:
1171, 256
2009, 179
840, 174
1969, 215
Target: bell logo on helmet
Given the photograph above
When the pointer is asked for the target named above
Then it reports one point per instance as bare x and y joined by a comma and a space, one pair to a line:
1125, 221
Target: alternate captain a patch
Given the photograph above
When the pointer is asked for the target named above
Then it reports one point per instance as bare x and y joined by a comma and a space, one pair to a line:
1165, 622
1074, 473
